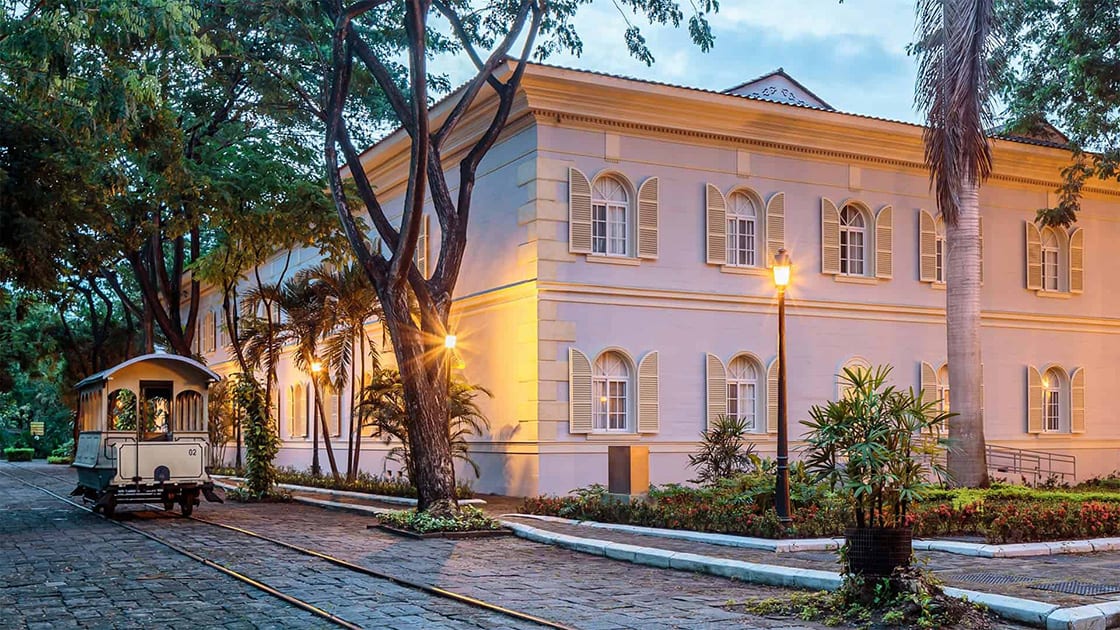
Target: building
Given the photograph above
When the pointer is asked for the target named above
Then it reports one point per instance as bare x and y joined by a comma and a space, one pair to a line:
615, 288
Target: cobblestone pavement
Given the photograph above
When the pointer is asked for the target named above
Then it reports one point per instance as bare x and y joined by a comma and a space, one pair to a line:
556, 584
1019, 575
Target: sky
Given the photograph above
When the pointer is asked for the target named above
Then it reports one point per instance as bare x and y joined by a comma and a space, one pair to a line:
852, 55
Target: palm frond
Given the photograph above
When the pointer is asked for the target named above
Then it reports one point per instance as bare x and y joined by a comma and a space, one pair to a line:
957, 41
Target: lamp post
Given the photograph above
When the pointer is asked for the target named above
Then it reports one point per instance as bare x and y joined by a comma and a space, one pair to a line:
316, 368
781, 272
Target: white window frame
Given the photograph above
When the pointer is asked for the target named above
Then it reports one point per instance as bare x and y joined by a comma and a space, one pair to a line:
1051, 260
610, 218
943, 388
940, 251
1052, 401
849, 232
742, 386
612, 393
742, 230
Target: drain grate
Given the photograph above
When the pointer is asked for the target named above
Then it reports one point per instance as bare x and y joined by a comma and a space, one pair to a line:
993, 578
1078, 588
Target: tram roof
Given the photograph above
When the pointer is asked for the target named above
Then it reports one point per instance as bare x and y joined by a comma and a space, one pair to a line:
104, 375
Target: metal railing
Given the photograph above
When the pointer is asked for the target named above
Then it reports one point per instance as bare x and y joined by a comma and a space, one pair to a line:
1035, 466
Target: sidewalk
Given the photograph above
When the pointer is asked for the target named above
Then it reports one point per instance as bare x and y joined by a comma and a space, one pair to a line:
1013, 577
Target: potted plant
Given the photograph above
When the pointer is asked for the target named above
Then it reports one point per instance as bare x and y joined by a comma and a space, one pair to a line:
880, 446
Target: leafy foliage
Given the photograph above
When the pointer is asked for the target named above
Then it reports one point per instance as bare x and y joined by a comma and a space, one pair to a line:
911, 599
877, 444
469, 518
261, 442
724, 451
1064, 72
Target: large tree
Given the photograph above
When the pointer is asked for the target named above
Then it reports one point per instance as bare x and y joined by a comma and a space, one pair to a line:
957, 42
1064, 71
416, 306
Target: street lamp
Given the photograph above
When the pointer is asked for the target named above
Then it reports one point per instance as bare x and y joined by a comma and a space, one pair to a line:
316, 368
781, 272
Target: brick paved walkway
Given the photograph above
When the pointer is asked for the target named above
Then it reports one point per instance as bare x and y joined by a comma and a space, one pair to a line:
565, 586
957, 570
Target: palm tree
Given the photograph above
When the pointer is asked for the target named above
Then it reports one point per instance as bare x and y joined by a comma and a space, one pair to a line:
258, 333
306, 314
383, 405
349, 303
956, 43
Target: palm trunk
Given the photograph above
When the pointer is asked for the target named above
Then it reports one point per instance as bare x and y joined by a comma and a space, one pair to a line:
967, 454
350, 433
357, 428
324, 430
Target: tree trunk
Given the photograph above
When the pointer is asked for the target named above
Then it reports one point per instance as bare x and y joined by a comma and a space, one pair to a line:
425, 396
324, 430
350, 432
360, 387
967, 455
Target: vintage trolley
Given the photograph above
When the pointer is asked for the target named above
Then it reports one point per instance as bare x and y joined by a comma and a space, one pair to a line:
142, 434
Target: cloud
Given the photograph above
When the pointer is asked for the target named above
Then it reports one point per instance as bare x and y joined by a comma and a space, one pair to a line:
852, 54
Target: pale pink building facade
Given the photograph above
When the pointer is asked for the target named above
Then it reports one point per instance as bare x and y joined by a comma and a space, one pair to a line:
615, 288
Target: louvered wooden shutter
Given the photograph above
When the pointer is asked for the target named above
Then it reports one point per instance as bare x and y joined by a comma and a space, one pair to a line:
334, 416
928, 383
579, 392
1034, 256
716, 378
716, 225
927, 247
1077, 261
648, 209
772, 397
1034, 400
775, 226
1077, 401
649, 397
884, 243
579, 212
830, 237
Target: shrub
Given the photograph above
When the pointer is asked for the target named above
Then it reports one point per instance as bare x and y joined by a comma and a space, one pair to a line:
468, 519
60, 459
363, 482
261, 442
724, 451
16, 454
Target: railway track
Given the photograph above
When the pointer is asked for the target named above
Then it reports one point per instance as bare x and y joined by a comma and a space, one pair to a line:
428, 589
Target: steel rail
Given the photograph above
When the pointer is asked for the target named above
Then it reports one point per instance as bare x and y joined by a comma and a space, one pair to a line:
298, 603
427, 588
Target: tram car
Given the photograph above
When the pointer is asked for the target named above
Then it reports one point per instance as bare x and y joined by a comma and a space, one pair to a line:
142, 434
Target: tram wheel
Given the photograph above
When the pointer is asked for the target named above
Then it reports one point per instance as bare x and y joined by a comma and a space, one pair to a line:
109, 508
168, 505
186, 504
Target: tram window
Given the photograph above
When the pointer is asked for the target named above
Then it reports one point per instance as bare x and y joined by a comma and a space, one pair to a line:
155, 410
122, 410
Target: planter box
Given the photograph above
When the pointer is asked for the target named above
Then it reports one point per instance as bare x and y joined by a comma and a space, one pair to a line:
19, 454
875, 552
480, 533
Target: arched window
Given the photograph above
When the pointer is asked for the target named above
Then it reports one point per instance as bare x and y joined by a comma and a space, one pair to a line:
855, 364
610, 217
1051, 257
742, 390
1052, 400
611, 390
742, 231
122, 410
299, 412
940, 252
853, 241
943, 387
188, 412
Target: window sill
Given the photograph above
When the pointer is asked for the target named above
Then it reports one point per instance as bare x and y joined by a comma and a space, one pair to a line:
938, 286
613, 437
857, 279
613, 260
745, 271
1054, 295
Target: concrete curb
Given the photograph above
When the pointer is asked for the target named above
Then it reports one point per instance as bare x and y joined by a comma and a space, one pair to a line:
352, 507
1028, 611
380, 498
1018, 550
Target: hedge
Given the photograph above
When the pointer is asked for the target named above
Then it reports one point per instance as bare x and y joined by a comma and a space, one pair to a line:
1002, 514
19, 454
